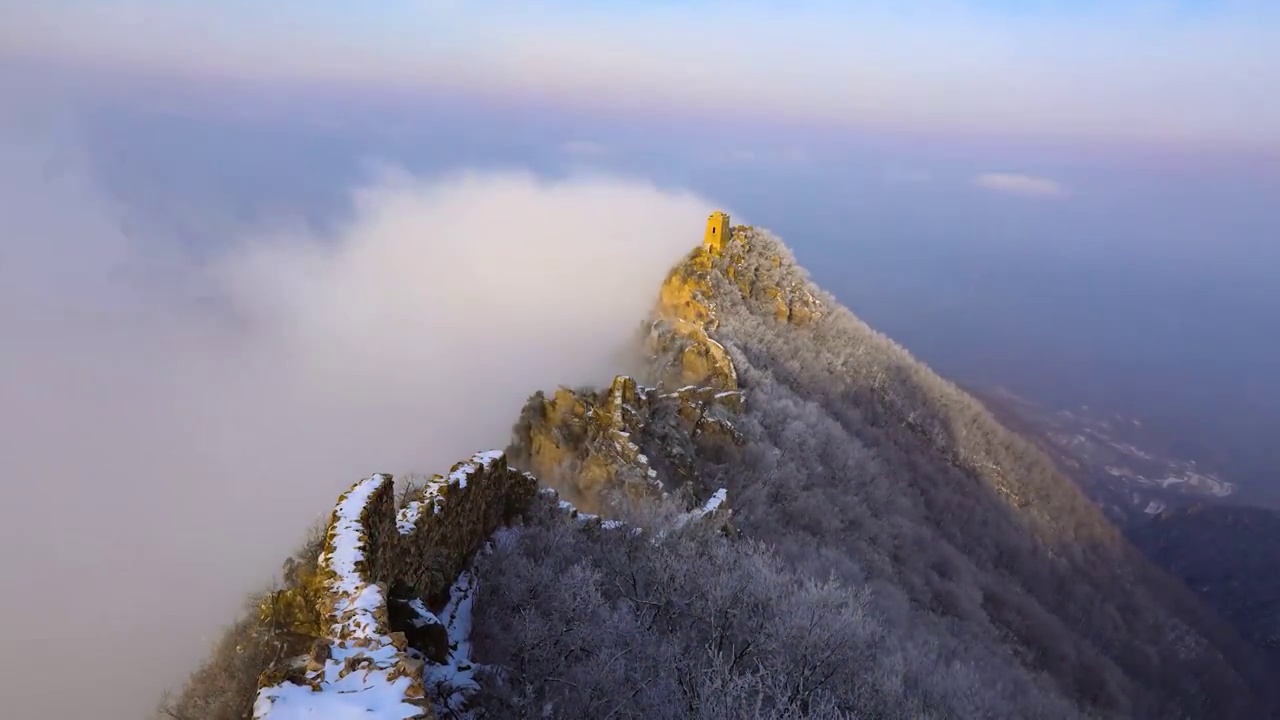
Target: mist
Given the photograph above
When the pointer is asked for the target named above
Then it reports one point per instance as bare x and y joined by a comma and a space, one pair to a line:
173, 421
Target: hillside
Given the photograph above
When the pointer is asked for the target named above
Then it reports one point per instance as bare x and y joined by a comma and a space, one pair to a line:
1228, 555
1181, 516
1130, 471
795, 519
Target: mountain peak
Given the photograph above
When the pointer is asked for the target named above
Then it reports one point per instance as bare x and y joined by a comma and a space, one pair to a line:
887, 535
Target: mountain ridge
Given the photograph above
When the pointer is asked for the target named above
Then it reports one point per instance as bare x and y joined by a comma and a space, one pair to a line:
842, 457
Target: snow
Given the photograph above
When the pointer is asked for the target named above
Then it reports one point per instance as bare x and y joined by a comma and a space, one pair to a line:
408, 516
347, 547
712, 504
358, 696
454, 681
370, 690
459, 477
716, 501
365, 675
582, 517
479, 460
425, 616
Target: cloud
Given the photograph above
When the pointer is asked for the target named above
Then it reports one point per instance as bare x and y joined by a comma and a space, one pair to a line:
171, 426
1018, 184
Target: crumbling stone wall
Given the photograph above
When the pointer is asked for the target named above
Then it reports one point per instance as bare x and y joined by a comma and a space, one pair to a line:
376, 557
450, 518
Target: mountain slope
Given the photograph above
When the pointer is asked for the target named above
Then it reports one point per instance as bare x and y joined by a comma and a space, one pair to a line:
984, 507
870, 543
859, 461
1227, 554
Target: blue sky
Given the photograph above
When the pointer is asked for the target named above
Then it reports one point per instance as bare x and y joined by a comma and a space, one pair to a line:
1190, 73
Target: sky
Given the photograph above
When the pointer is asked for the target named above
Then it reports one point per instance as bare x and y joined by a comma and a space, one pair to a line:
1188, 72
250, 253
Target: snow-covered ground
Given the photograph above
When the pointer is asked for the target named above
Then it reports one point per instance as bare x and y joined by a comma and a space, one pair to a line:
365, 674
366, 671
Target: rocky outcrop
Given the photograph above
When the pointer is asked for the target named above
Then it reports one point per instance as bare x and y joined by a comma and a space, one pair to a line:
629, 440
632, 439
760, 282
382, 575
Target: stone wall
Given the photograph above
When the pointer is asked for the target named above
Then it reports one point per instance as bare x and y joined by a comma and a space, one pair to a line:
383, 571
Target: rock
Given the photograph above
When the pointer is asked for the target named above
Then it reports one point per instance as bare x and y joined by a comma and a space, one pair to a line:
319, 655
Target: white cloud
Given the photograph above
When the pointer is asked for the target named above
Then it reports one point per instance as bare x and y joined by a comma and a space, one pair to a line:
171, 427
1018, 184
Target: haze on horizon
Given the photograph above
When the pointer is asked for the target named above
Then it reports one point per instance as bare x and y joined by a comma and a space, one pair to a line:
218, 223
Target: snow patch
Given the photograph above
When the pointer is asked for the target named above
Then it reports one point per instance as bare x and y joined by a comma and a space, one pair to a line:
429, 496
359, 695
454, 681
424, 615
717, 499
364, 675
714, 503
346, 547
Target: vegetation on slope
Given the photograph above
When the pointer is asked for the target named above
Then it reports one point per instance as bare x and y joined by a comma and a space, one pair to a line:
895, 551
901, 471
1229, 556
988, 568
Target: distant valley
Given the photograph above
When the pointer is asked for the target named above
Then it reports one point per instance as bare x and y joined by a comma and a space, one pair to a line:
1131, 472
1185, 518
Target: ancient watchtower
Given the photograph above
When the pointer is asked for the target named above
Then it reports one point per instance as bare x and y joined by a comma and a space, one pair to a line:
717, 231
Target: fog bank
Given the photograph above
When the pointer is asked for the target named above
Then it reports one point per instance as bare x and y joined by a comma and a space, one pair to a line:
171, 426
